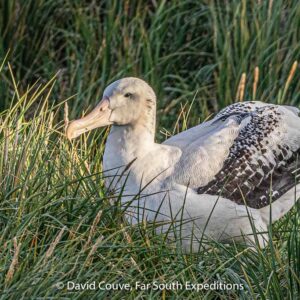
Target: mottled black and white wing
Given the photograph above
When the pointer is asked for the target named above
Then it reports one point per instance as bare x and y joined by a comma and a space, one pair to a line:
262, 163
205, 147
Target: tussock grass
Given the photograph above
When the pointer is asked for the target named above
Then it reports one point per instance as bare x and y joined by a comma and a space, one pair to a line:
57, 222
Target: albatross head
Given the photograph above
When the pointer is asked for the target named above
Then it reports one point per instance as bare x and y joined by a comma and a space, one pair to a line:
127, 101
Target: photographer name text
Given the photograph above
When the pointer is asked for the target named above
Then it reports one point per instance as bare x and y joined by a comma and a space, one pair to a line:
155, 285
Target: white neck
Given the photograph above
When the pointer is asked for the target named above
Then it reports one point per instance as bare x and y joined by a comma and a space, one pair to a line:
128, 142
125, 145
132, 146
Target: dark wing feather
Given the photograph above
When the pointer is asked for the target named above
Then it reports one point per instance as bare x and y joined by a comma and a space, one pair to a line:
263, 159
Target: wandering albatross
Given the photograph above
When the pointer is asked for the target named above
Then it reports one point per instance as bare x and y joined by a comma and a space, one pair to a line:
221, 179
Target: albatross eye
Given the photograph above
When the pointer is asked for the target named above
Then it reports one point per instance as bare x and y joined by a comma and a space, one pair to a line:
128, 95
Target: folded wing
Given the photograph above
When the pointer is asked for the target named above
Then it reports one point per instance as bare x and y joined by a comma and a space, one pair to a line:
248, 153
